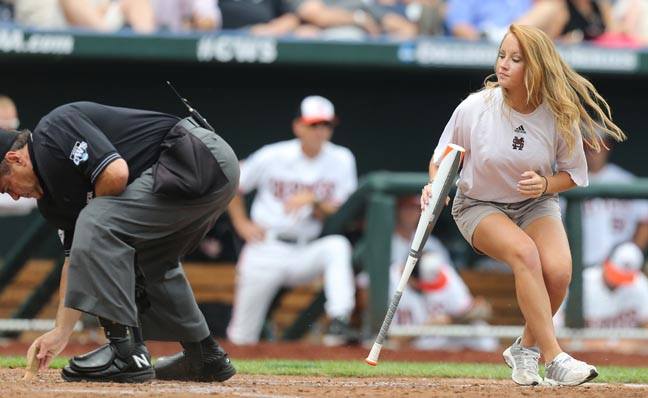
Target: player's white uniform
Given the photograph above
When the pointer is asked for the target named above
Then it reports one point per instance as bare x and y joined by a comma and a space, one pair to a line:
624, 306
608, 222
417, 308
277, 172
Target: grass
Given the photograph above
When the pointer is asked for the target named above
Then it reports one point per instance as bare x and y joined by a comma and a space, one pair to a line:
608, 374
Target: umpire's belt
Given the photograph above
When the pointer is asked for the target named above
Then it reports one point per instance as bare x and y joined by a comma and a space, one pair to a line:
289, 238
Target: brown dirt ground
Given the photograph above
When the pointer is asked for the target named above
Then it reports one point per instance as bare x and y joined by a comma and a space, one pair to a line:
51, 385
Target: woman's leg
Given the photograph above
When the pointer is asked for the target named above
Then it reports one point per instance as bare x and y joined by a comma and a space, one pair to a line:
553, 247
498, 237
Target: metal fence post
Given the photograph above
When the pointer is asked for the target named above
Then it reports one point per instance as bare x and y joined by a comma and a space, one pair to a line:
575, 232
379, 229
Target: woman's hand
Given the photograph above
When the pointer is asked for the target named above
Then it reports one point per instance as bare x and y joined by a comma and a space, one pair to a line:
426, 195
532, 184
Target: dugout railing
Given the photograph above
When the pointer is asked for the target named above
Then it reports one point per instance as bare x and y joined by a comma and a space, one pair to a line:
375, 201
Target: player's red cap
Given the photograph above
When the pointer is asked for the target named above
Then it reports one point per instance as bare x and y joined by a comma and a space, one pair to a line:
316, 109
623, 265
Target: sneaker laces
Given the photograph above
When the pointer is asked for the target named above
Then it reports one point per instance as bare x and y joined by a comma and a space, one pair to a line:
567, 361
526, 359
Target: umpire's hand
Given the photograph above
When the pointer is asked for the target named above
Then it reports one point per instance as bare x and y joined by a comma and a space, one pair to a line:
49, 346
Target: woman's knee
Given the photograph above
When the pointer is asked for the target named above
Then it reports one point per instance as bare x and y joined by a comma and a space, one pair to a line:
524, 255
558, 279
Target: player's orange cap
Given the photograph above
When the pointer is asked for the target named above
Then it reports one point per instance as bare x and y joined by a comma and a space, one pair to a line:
623, 265
432, 276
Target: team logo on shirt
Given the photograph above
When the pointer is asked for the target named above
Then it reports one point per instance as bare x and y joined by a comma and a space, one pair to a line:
518, 143
283, 190
79, 153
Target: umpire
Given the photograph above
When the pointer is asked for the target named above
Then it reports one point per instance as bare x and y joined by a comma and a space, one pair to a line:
131, 191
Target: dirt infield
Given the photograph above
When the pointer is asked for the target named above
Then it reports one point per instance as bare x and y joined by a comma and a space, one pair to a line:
51, 385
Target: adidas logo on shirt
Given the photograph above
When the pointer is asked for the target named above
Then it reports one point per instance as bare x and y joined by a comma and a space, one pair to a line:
520, 130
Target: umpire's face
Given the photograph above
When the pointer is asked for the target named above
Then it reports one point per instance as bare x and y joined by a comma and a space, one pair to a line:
17, 177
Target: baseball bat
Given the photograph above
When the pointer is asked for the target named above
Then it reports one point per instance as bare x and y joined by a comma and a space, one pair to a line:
443, 180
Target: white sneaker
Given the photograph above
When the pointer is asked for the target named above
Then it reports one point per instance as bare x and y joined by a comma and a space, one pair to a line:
524, 362
567, 371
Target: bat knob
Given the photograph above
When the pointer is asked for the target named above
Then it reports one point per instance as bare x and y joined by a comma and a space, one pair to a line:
372, 358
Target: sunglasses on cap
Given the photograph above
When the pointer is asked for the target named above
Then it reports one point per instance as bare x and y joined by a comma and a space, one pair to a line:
320, 124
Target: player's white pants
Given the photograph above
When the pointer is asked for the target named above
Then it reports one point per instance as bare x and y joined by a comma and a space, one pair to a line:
265, 267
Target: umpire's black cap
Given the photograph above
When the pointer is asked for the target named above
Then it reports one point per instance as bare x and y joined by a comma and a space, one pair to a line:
7, 138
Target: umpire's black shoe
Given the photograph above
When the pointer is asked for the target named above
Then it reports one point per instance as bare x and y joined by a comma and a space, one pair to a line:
202, 361
111, 363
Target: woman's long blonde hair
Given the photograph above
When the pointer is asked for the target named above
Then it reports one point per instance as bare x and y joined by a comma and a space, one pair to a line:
573, 100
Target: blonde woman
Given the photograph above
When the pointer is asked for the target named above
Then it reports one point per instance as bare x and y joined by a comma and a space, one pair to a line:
523, 135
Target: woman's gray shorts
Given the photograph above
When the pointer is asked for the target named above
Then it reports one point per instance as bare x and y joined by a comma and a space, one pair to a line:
468, 212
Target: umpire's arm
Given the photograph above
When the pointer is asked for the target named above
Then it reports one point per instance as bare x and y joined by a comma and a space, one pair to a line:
50, 344
113, 179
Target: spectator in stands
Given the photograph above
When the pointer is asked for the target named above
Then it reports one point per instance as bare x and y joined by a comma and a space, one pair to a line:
586, 20
631, 19
351, 19
615, 293
436, 294
101, 15
299, 183
489, 19
398, 18
608, 222
262, 17
9, 121
187, 15
338, 19
429, 15
6, 10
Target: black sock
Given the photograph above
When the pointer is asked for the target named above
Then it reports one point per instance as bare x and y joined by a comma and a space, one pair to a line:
119, 336
113, 330
209, 344
137, 335
204, 349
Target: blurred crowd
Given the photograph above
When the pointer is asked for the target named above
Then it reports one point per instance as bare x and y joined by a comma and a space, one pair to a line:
612, 23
